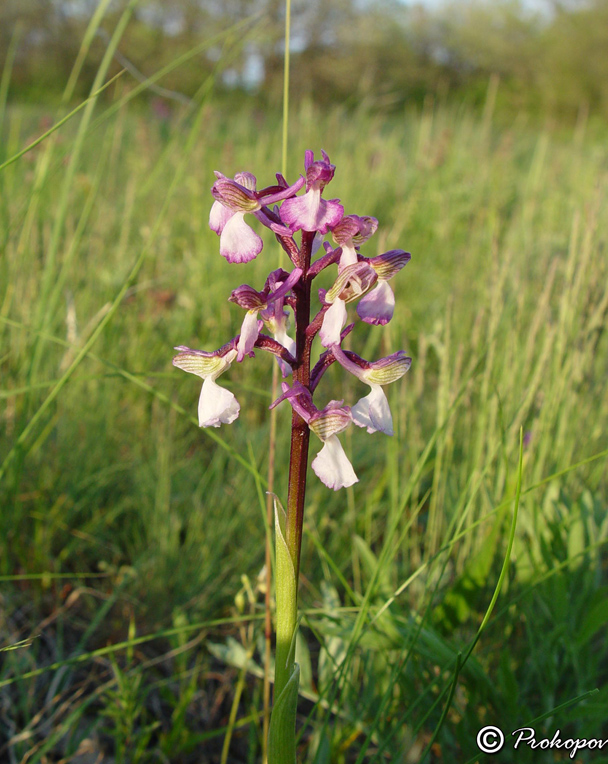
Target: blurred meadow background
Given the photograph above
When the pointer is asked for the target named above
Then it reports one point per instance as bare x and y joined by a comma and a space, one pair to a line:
132, 543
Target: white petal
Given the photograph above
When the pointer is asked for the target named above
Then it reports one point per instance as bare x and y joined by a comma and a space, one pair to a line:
333, 323
250, 331
216, 405
219, 216
332, 467
373, 412
348, 256
239, 243
284, 339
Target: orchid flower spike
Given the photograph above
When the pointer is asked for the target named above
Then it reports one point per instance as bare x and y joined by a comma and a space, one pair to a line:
353, 282
359, 278
330, 465
377, 307
216, 405
373, 411
253, 302
234, 199
310, 212
350, 233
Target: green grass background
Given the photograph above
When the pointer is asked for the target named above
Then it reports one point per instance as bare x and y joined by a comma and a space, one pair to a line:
132, 542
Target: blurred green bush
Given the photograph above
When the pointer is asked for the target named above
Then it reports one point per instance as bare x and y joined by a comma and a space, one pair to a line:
385, 54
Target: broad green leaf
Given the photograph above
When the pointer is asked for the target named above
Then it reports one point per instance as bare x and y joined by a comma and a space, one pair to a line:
287, 603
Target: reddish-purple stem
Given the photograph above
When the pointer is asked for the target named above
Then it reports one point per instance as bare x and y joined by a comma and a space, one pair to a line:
300, 434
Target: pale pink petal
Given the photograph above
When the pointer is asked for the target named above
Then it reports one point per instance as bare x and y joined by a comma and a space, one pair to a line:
216, 405
332, 467
219, 216
238, 242
377, 306
373, 412
301, 211
311, 213
250, 331
348, 256
333, 214
333, 323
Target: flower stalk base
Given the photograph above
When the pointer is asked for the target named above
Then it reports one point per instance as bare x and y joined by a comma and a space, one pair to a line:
281, 738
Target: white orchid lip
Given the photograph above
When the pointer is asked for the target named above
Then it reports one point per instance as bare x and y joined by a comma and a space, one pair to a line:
373, 412
333, 323
239, 243
218, 217
216, 405
332, 466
